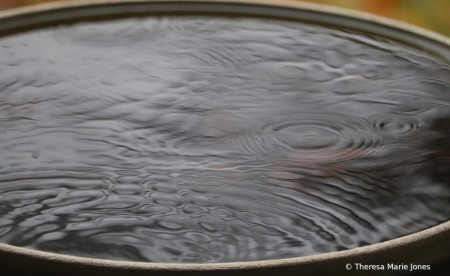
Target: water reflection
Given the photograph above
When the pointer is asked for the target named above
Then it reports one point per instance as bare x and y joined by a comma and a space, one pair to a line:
182, 139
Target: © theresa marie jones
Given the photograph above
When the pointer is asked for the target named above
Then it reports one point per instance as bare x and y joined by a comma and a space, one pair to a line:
391, 266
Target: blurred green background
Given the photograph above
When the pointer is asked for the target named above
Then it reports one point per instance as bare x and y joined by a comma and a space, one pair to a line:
430, 14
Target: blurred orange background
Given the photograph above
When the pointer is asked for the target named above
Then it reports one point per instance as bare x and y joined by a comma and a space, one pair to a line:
430, 14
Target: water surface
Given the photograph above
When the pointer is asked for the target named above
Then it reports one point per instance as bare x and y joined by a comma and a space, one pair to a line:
200, 139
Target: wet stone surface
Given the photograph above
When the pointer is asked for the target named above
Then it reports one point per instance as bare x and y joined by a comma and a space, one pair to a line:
198, 139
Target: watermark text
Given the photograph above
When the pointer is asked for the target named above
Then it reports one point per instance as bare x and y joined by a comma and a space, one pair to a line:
388, 266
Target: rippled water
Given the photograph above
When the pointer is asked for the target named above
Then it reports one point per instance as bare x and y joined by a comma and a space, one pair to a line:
196, 139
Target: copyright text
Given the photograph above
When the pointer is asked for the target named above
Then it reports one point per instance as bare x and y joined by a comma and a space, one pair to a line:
391, 266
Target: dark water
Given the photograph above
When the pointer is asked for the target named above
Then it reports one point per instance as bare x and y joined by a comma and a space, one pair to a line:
183, 139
